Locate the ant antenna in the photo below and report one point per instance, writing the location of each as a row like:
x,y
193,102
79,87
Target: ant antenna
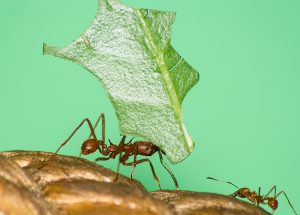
x,y
228,182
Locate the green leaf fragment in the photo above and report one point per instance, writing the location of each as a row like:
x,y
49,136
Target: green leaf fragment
x,y
146,80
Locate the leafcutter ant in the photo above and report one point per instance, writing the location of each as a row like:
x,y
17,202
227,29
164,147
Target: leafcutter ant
x,y
93,144
257,198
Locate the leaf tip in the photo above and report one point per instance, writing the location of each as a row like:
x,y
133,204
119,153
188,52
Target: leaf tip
x,y
44,48
49,50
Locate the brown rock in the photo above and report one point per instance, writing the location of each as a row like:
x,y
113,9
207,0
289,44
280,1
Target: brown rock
x,y
64,167
19,194
195,203
72,185
13,173
91,197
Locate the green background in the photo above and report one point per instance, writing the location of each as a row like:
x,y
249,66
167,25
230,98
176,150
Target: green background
x,y
243,114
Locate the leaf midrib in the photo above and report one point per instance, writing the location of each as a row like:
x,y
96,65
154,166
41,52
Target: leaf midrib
x,y
166,77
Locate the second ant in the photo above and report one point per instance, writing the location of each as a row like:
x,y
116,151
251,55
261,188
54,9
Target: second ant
x,y
257,198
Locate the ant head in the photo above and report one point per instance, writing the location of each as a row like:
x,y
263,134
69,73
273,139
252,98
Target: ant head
x,y
273,203
89,146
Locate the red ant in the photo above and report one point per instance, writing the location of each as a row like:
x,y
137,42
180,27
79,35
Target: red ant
x,y
256,198
93,144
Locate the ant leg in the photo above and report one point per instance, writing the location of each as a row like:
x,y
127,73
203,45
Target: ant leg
x,y
282,192
76,129
134,160
67,140
120,146
151,166
273,188
102,118
102,159
234,194
129,151
168,169
123,158
259,189
265,197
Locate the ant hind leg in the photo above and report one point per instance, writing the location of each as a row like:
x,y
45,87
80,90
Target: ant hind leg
x,y
151,166
168,169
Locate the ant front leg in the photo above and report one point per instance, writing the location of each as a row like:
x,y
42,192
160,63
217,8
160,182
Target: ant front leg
x,y
282,192
102,141
68,139
271,201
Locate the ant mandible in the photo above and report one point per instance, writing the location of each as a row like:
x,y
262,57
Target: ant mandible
x,y
92,144
256,198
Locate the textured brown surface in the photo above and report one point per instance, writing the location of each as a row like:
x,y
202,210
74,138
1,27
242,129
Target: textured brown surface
x,y
114,198
195,203
63,167
19,194
71,185
74,186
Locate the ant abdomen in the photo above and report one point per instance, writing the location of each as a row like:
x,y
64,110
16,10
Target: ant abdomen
x,y
89,146
243,192
146,148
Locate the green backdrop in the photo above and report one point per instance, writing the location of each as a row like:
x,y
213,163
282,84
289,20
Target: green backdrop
x,y
243,114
